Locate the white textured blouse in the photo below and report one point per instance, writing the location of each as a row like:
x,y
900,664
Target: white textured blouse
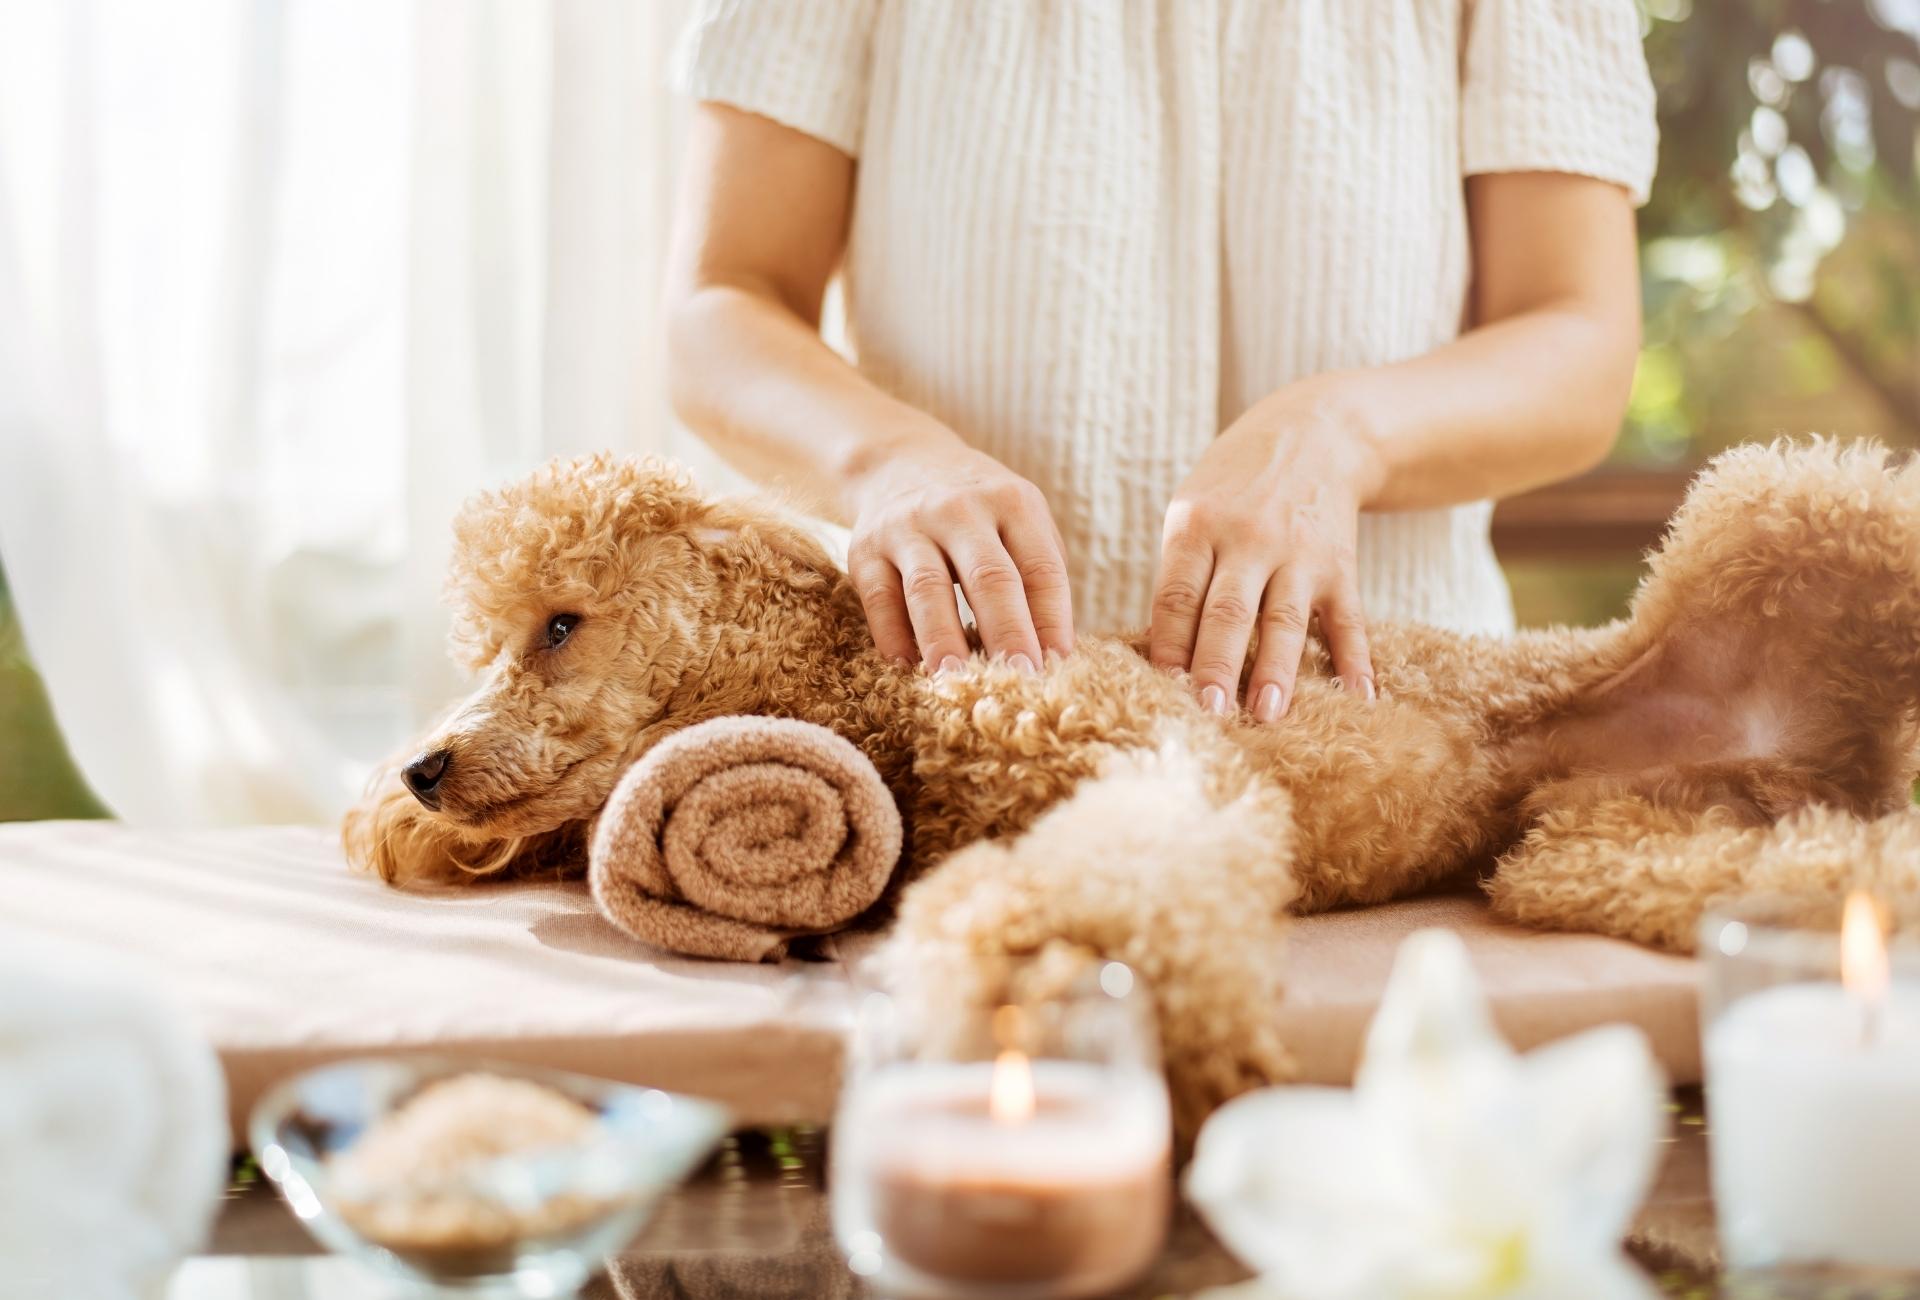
x,y
1088,234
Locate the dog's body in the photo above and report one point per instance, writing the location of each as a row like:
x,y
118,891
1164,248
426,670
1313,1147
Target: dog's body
x,y
1771,664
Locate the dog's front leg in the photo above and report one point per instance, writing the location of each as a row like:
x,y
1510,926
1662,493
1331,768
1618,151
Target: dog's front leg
x,y
1142,865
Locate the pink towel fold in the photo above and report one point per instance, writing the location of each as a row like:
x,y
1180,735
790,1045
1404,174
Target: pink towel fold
x,y
735,835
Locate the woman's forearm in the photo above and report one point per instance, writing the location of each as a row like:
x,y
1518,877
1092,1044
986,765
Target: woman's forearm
x,y
756,382
1535,391
1264,531
1522,402
763,223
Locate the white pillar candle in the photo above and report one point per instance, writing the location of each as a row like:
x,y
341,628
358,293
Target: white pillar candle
x,y
1814,1103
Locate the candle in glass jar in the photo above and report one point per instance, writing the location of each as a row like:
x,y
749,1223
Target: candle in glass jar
x,y
1003,1177
1814,1101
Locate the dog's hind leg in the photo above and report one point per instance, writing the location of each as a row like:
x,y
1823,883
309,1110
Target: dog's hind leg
x,y
1148,865
1779,624
1623,864
1813,546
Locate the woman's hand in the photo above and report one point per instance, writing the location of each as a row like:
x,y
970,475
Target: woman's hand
x,y
1262,534
939,511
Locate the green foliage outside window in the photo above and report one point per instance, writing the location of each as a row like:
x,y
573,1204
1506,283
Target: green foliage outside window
x,y
37,779
1780,253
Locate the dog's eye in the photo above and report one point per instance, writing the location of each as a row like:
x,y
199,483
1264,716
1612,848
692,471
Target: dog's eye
x,y
559,628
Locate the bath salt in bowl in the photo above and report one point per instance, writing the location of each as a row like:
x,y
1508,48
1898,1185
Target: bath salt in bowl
x,y
494,1179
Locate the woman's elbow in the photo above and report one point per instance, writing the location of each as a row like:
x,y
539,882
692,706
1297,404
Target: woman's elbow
x,y
703,323
1590,444
1612,351
712,323
686,324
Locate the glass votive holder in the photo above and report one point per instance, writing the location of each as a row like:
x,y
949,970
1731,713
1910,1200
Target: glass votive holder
x,y
1810,1021
1011,1152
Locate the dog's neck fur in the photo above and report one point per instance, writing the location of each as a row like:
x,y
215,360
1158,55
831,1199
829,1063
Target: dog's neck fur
x,y
785,591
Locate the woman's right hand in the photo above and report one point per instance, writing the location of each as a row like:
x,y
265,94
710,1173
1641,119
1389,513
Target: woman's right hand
x,y
939,512
765,211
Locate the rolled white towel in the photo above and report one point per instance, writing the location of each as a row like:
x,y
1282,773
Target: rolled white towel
x,y
113,1129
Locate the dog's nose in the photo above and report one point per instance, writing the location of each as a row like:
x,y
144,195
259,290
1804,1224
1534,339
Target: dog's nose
x,y
424,774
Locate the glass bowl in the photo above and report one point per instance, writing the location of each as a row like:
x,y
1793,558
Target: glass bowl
x,y
530,1223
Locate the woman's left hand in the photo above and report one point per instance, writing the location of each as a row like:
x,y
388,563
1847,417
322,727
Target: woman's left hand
x,y
1262,534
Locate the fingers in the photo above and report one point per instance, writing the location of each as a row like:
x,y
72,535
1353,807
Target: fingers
x,y
1179,597
1284,616
1041,559
911,609
1284,613
927,584
1220,647
998,594
1345,631
962,518
878,585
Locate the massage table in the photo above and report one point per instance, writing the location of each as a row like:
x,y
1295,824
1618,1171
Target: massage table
x,y
287,959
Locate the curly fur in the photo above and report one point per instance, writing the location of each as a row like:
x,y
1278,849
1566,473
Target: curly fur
x,y
1749,726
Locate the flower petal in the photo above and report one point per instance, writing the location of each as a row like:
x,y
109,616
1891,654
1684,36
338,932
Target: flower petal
x,y
1592,1108
1433,1016
1294,1184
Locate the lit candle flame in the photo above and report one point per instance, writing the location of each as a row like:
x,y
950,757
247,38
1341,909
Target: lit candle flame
x,y
1863,949
1010,1095
1863,961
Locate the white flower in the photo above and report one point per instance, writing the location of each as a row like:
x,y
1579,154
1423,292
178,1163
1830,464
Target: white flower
x,y
1453,1170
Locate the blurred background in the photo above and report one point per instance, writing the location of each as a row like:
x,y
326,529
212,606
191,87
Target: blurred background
x,y
1779,267
409,249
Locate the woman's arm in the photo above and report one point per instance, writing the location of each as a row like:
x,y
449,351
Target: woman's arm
x,y
763,219
1262,533
1535,391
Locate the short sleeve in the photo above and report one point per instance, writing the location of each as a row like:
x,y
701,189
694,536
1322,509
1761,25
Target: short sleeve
x,y
803,63
1558,85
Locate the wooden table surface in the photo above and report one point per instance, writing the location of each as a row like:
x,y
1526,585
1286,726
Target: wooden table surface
x,y
754,1224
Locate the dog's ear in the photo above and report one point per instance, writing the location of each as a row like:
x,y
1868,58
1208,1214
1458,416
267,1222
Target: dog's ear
x,y
626,496
587,499
758,528
572,532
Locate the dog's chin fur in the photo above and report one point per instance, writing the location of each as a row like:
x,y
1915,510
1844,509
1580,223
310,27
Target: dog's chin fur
x,y
538,811
389,833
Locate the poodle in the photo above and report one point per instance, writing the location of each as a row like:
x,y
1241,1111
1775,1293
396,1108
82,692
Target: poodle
x,y
1751,725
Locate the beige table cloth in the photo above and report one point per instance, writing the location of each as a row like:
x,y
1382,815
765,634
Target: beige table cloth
x,y
288,959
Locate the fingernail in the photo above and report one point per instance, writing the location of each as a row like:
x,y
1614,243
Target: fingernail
x,y
951,664
1021,662
1266,706
1214,700
1366,688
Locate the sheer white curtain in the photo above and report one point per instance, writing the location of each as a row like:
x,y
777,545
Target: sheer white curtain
x,y
280,282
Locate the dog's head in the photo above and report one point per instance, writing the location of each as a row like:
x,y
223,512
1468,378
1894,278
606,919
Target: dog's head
x,y
580,595
589,598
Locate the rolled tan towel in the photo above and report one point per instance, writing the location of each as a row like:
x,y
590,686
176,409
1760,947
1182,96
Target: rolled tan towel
x,y
736,835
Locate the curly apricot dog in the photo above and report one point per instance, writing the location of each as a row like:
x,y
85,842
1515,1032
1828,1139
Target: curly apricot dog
x,y
1750,726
